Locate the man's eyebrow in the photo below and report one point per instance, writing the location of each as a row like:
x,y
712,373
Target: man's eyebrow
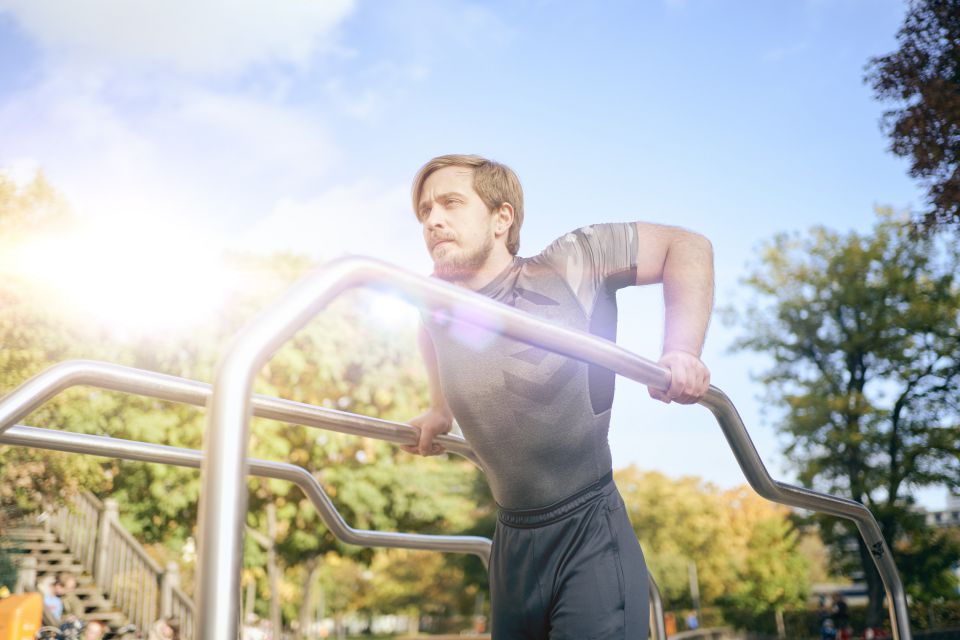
x,y
441,196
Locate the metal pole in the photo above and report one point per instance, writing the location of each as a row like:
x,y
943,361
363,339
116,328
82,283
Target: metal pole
x,y
132,450
222,503
659,625
43,387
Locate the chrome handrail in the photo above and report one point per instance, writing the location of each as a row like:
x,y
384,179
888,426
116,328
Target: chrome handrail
x,y
134,450
226,440
43,387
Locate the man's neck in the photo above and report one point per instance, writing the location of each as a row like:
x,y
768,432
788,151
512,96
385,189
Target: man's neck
x,y
499,259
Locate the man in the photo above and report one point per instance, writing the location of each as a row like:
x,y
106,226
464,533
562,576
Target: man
x,y
565,562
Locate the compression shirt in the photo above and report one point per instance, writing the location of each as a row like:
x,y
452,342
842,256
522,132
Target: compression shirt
x,y
537,420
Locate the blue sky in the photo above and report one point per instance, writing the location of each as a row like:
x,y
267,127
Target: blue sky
x,y
300,127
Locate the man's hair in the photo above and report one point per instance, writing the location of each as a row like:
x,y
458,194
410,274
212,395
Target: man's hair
x,y
495,183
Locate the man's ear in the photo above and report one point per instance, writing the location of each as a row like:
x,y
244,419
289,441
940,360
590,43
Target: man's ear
x,y
503,218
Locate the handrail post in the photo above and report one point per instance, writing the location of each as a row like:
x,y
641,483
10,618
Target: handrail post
x,y
110,513
26,575
168,581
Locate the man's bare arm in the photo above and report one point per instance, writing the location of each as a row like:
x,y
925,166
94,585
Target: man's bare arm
x,y
683,262
438,419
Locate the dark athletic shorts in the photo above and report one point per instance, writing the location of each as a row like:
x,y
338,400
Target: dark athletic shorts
x,y
570,571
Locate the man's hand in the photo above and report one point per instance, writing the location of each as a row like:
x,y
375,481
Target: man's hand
x,y
431,424
689,378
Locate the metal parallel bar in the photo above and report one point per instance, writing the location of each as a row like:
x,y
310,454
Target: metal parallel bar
x,y
226,440
43,387
144,452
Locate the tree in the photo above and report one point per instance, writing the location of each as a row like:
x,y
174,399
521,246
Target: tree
x,y
923,76
862,330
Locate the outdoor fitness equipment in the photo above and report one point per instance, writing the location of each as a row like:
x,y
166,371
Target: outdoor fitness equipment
x,y
224,463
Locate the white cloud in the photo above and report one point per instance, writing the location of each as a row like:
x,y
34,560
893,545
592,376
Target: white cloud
x,y
180,152
361,219
191,36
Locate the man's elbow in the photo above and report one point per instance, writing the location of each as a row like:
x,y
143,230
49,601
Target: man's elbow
x,y
697,243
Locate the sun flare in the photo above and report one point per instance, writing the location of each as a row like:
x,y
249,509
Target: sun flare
x,y
131,279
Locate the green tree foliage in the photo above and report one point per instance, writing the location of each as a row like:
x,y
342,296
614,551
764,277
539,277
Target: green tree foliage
x,y
923,77
928,557
863,334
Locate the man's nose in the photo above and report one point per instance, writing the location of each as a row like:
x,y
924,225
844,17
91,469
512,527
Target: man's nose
x,y
435,218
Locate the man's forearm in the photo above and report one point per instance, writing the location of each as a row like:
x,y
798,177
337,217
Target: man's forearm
x,y
687,293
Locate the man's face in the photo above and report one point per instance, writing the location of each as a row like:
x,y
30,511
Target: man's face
x,y
458,228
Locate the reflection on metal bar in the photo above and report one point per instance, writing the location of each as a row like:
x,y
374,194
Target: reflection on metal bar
x,y
223,496
38,390
133,450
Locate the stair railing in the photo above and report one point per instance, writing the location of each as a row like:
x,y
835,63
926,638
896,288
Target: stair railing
x,y
121,567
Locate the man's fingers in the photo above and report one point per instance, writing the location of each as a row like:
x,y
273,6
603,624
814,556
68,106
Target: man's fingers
x,y
688,384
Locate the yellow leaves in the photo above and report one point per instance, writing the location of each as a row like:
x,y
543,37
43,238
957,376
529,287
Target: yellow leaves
x,y
683,520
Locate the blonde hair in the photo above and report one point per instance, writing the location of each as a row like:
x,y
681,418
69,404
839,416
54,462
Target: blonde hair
x,y
495,183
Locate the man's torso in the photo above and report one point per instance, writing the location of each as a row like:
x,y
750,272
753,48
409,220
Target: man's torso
x,y
537,420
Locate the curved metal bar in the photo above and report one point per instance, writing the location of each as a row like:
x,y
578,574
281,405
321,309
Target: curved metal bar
x,y
132,450
47,384
40,389
763,483
223,503
32,394
658,627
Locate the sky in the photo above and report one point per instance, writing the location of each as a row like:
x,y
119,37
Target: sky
x,y
187,128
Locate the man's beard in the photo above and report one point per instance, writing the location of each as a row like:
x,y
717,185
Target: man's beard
x,y
463,267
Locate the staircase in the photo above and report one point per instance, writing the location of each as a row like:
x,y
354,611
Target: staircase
x,y
117,581
40,555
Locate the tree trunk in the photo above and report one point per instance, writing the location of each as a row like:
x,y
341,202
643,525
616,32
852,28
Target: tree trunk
x,y
781,627
875,590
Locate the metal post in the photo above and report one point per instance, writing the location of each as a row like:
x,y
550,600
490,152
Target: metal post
x,y
223,497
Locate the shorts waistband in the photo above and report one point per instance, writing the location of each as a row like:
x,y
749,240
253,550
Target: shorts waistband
x,y
545,515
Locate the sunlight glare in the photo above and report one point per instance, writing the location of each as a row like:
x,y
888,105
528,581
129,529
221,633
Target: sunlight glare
x,y
131,279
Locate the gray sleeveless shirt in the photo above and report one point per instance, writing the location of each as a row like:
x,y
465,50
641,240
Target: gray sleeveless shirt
x,y
538,421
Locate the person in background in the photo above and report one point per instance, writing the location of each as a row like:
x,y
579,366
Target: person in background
x,y
60,601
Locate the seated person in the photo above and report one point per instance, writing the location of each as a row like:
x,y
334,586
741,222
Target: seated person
x,y
60,602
